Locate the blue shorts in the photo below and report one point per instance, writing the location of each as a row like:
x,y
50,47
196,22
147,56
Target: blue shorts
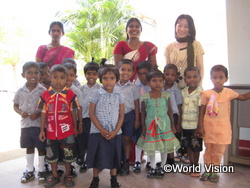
x,y
65,147
30,138
128,127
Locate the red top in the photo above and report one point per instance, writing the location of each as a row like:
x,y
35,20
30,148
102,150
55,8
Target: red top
x,y
58,107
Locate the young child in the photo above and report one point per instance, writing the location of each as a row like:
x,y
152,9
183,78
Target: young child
x,y
71,77
214,121
45,75
143,68
58,106
190,115
72,61
25,101
106,112
131,117
171,73
157,123
87,90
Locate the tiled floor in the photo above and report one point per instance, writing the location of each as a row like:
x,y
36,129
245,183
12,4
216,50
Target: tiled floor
x,y
11,172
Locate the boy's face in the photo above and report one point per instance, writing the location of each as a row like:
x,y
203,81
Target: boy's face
x,y
71,76
142,74
126,72
91,77
58,80
109,81
32,75
170,76
192,79
46,75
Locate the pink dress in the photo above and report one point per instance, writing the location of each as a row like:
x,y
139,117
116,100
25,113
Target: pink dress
x,y
218,127
55,55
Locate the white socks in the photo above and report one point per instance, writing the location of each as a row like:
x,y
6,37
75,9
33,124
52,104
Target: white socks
x,y
164,157
152,161
30,161
41,163
137,154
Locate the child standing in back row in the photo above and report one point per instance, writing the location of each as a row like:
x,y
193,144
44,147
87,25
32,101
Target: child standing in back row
x,y
106,111
214,121
157,124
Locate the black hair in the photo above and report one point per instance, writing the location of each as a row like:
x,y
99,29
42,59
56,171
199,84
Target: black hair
x,y
69,60
143,65
58,68
92,66
154,74
217,68
42,65
108,68
171,66
126,61
70,66
56,23
192,31
30,64
191,69
132,20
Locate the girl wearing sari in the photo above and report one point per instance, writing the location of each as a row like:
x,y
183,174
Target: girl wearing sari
x,y
54,52
133,48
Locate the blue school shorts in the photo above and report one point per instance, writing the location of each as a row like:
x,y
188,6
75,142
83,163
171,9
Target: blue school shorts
x,y
128,127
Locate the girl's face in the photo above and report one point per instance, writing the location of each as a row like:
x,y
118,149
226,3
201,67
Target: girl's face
x,y
91,77
58,80
170,76
192,79
56,33
126,72
142,74
134,30
182,28
218,78
109,81
156,83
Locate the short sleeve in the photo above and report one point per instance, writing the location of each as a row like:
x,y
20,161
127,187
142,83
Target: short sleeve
x,y
119,48
204,98
144,97
16,97
178,96
41,51
95,97
41,106
198,48
233,94
165,95
121,98
152,48
136,93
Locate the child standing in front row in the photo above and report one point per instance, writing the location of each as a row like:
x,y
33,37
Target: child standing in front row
x,y
171,73
88,89
214,121
131,117
106,112
190,116
58,105
25,101
157,124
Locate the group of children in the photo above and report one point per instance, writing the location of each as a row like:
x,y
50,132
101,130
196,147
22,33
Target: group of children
x,y
94,124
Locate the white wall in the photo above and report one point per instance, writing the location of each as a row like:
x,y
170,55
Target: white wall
x,y
238,28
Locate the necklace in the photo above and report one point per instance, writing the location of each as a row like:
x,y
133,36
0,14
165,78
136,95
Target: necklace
x,y
134,48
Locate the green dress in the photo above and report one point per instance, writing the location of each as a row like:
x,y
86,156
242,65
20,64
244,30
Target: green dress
x,y
159,136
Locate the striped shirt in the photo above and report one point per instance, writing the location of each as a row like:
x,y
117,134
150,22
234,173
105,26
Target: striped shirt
x,y
27,101
131,93
107,109
175,98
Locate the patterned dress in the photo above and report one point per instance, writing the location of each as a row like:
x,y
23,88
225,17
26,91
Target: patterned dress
x,y
159,136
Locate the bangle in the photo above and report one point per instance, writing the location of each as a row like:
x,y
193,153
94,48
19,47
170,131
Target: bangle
x,y
79,123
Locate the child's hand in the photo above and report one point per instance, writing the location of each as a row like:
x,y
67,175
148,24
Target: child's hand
x,y
144,131
104,133
137,124
24,115
42,136
34,116
173,129
111,135
79,127
178,128
199,132
76,131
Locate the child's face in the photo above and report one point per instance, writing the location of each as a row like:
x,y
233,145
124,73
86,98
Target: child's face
x,y
71,76
58,80
218,78
46,75
109,81
142,74
170,76
32,75
192,79
126,72
91,77
156,83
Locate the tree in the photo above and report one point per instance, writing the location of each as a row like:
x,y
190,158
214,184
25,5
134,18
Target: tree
x,y
96,26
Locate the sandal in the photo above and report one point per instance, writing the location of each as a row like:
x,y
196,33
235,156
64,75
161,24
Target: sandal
x,y
177,159
52,181
185,159
68,180
27,177
195,174
205,176
214,178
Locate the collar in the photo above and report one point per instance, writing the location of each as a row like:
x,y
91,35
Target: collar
x,y
96,85
103,91
128,83
62,93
